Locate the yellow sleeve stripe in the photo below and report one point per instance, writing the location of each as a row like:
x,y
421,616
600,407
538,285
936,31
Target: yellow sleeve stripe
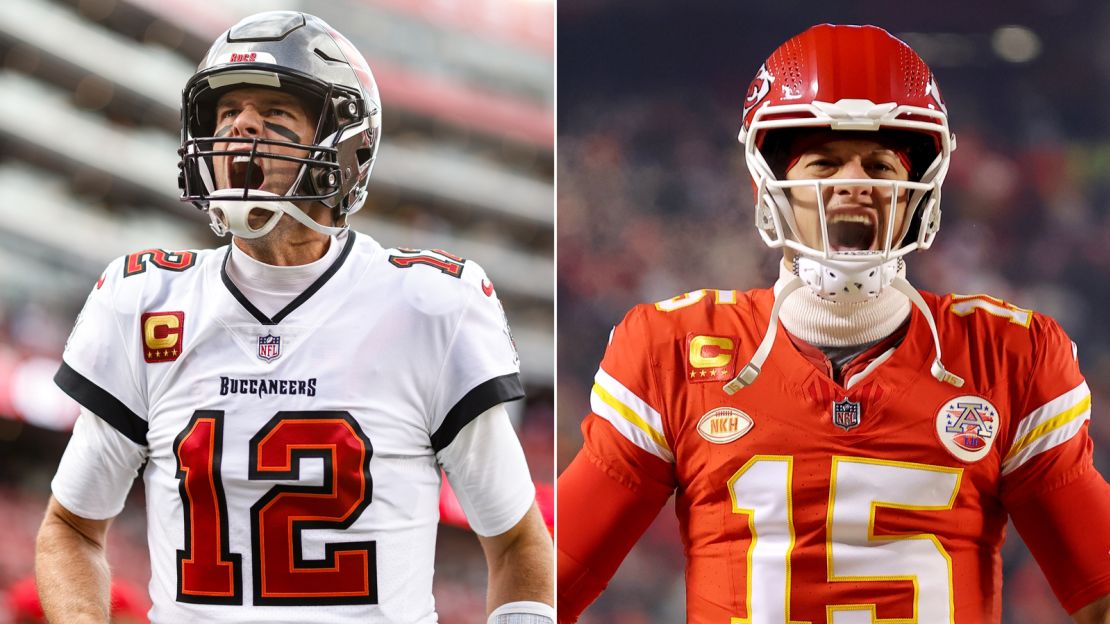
x,y
1079,409
1045,412
631,416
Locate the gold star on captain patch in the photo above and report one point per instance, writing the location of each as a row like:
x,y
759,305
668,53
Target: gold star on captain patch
x,y
693,374
149,355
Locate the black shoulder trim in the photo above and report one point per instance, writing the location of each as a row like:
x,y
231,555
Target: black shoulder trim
x,y
301,298
100,402
482,397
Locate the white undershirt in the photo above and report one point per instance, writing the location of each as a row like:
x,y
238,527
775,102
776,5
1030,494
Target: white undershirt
x,y
270,288
823,323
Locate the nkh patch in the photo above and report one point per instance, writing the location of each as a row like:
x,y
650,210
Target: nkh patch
x,y
724,424
967,426
163,335
269,347
846,414
710,358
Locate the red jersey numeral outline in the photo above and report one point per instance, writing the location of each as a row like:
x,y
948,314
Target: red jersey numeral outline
x,y
169,260
208,573
446,263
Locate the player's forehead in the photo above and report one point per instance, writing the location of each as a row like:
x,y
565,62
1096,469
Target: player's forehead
x,y
258,96
832,145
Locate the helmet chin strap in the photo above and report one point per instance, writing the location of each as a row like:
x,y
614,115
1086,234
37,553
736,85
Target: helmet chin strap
x,y
937,369
232,215
846,284
842,281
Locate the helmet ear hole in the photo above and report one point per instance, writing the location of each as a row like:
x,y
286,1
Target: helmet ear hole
x,y
363,154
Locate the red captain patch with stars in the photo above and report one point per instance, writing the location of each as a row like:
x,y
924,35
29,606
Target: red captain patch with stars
x,y
163,335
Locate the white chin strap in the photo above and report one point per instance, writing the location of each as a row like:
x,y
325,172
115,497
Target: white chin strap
x,y
751,371
844,281
231,215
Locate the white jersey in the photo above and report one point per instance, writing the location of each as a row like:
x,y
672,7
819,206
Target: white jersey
x,y
292,474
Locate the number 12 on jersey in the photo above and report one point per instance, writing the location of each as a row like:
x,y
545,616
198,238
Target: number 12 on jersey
x,y
763,491
209,573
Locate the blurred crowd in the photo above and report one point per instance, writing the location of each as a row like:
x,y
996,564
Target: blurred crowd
x,y
654,200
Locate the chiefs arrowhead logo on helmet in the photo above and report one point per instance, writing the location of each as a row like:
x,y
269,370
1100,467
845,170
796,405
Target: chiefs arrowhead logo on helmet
x,y
933,91
759,89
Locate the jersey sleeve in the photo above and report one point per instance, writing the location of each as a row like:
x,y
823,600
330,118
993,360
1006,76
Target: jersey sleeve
x,y
488,473
97,469
1049,425
97,368
621,478
1050,486
481,367
625,392
1066,530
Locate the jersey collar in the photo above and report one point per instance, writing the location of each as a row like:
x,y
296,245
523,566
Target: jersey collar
x,y
299,300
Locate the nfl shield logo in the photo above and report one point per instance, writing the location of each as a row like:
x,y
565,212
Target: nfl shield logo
x,y
269,347
846,414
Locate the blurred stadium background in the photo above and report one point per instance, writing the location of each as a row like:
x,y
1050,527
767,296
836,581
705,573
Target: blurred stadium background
x,y
90,93
654,199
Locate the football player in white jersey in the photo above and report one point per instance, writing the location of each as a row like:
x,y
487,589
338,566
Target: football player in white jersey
x,y
294,394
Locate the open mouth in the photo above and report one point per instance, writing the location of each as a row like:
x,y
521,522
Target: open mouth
x,y
242,172
852,231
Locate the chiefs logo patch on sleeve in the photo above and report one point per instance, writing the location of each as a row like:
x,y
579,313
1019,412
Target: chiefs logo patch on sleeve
x,y
710,358
162,335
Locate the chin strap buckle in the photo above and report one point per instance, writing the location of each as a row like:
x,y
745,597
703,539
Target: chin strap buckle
x,y
743,380
943,375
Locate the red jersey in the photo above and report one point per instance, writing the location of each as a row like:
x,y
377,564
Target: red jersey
x,y
801,500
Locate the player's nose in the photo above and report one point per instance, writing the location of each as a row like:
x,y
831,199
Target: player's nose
x,y
852,169
247,123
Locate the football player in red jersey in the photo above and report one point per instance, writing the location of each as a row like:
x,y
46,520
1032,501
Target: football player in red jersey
x,y
858,464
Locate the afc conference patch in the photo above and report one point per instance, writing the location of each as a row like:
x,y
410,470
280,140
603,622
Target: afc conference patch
x,y
967,426
269,347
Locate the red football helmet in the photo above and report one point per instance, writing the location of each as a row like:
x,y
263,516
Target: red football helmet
x,y
847,78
